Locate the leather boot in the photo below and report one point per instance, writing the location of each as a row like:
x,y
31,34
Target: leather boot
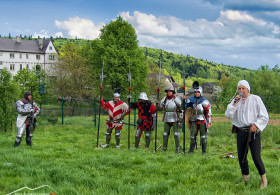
x,y
192,146
246,178
17,141
263,181
28,141
204,146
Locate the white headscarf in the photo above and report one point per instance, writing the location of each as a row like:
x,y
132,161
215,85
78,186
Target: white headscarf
x,y
243,83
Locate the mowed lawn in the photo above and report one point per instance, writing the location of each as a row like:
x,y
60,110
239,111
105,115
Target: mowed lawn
x,y
64,160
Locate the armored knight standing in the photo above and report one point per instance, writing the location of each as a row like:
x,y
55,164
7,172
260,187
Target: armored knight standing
x,y
116,109
26,119
200,118
172,117
146,118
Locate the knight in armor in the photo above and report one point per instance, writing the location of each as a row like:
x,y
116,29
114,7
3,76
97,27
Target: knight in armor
x,y
116,109
26,119
200,118
146,118
172,117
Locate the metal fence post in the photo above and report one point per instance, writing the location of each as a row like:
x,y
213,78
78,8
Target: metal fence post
x,y
94,107
62,114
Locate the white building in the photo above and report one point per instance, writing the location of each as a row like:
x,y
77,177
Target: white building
x,y
16,54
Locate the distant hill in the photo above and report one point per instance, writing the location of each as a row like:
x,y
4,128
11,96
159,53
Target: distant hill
x,y
174,63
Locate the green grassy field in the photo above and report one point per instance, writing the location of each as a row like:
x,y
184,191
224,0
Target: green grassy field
x,y
66,159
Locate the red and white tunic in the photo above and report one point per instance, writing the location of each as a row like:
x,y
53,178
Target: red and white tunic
x,y
115,111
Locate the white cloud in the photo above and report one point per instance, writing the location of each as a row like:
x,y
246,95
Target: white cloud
x,y
232,34
58,34
42,34
77,27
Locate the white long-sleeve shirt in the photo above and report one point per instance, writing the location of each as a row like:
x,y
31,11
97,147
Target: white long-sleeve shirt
x,y
248,111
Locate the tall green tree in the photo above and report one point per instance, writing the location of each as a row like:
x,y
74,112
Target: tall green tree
x,y
9,92
27,81
71,78
118,47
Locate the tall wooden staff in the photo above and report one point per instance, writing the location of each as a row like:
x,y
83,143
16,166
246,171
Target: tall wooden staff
x,y
101,89
184,116
129,97
158,89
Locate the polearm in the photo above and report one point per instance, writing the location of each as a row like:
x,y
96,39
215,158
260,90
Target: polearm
x,y
129,93
101,89
158,89
184,116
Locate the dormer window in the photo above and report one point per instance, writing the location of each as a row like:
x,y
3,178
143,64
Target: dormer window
x,y
50,48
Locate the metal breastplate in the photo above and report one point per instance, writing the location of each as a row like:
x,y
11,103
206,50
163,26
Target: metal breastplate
x,y
198,112
170,114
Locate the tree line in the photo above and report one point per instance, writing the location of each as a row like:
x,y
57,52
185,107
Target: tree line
x,y
75,76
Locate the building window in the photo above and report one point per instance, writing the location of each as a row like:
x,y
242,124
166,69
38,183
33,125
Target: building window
x,y
12,55
20,66
20,56
37,57
12,67
1,63
50,48
51,57
26,56
1,53
27,66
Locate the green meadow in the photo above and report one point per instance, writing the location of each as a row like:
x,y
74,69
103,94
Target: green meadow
x,y
66,160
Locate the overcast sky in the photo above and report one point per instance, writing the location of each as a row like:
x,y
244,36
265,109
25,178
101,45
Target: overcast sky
x,y
244,33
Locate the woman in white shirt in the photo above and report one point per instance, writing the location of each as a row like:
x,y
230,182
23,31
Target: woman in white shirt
x,y
249,117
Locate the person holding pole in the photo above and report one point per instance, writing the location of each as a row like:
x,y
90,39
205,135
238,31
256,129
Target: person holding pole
x,y
249,118
146,118
173,115
26,120
116,109
200,119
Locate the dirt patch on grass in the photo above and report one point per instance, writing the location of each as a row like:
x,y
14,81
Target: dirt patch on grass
x,y
225,119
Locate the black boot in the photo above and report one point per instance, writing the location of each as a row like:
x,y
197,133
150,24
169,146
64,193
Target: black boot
x,y
28,141
192,146
204,146
17,141
16,144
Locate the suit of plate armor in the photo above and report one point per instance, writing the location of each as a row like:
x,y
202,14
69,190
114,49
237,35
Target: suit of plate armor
x,y
26,119
171,118
201,116
146,120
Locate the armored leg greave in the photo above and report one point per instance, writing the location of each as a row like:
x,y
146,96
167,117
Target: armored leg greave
x,y
192,146
165,136
118,138
203,138
148,136
165,141
137,137
20,133
108,138
176,136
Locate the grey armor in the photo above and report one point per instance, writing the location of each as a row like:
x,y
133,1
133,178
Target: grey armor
x,y
26,120
171,106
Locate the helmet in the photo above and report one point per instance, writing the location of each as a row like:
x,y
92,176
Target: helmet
x,y
196,87
170,88
143,96
26,94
